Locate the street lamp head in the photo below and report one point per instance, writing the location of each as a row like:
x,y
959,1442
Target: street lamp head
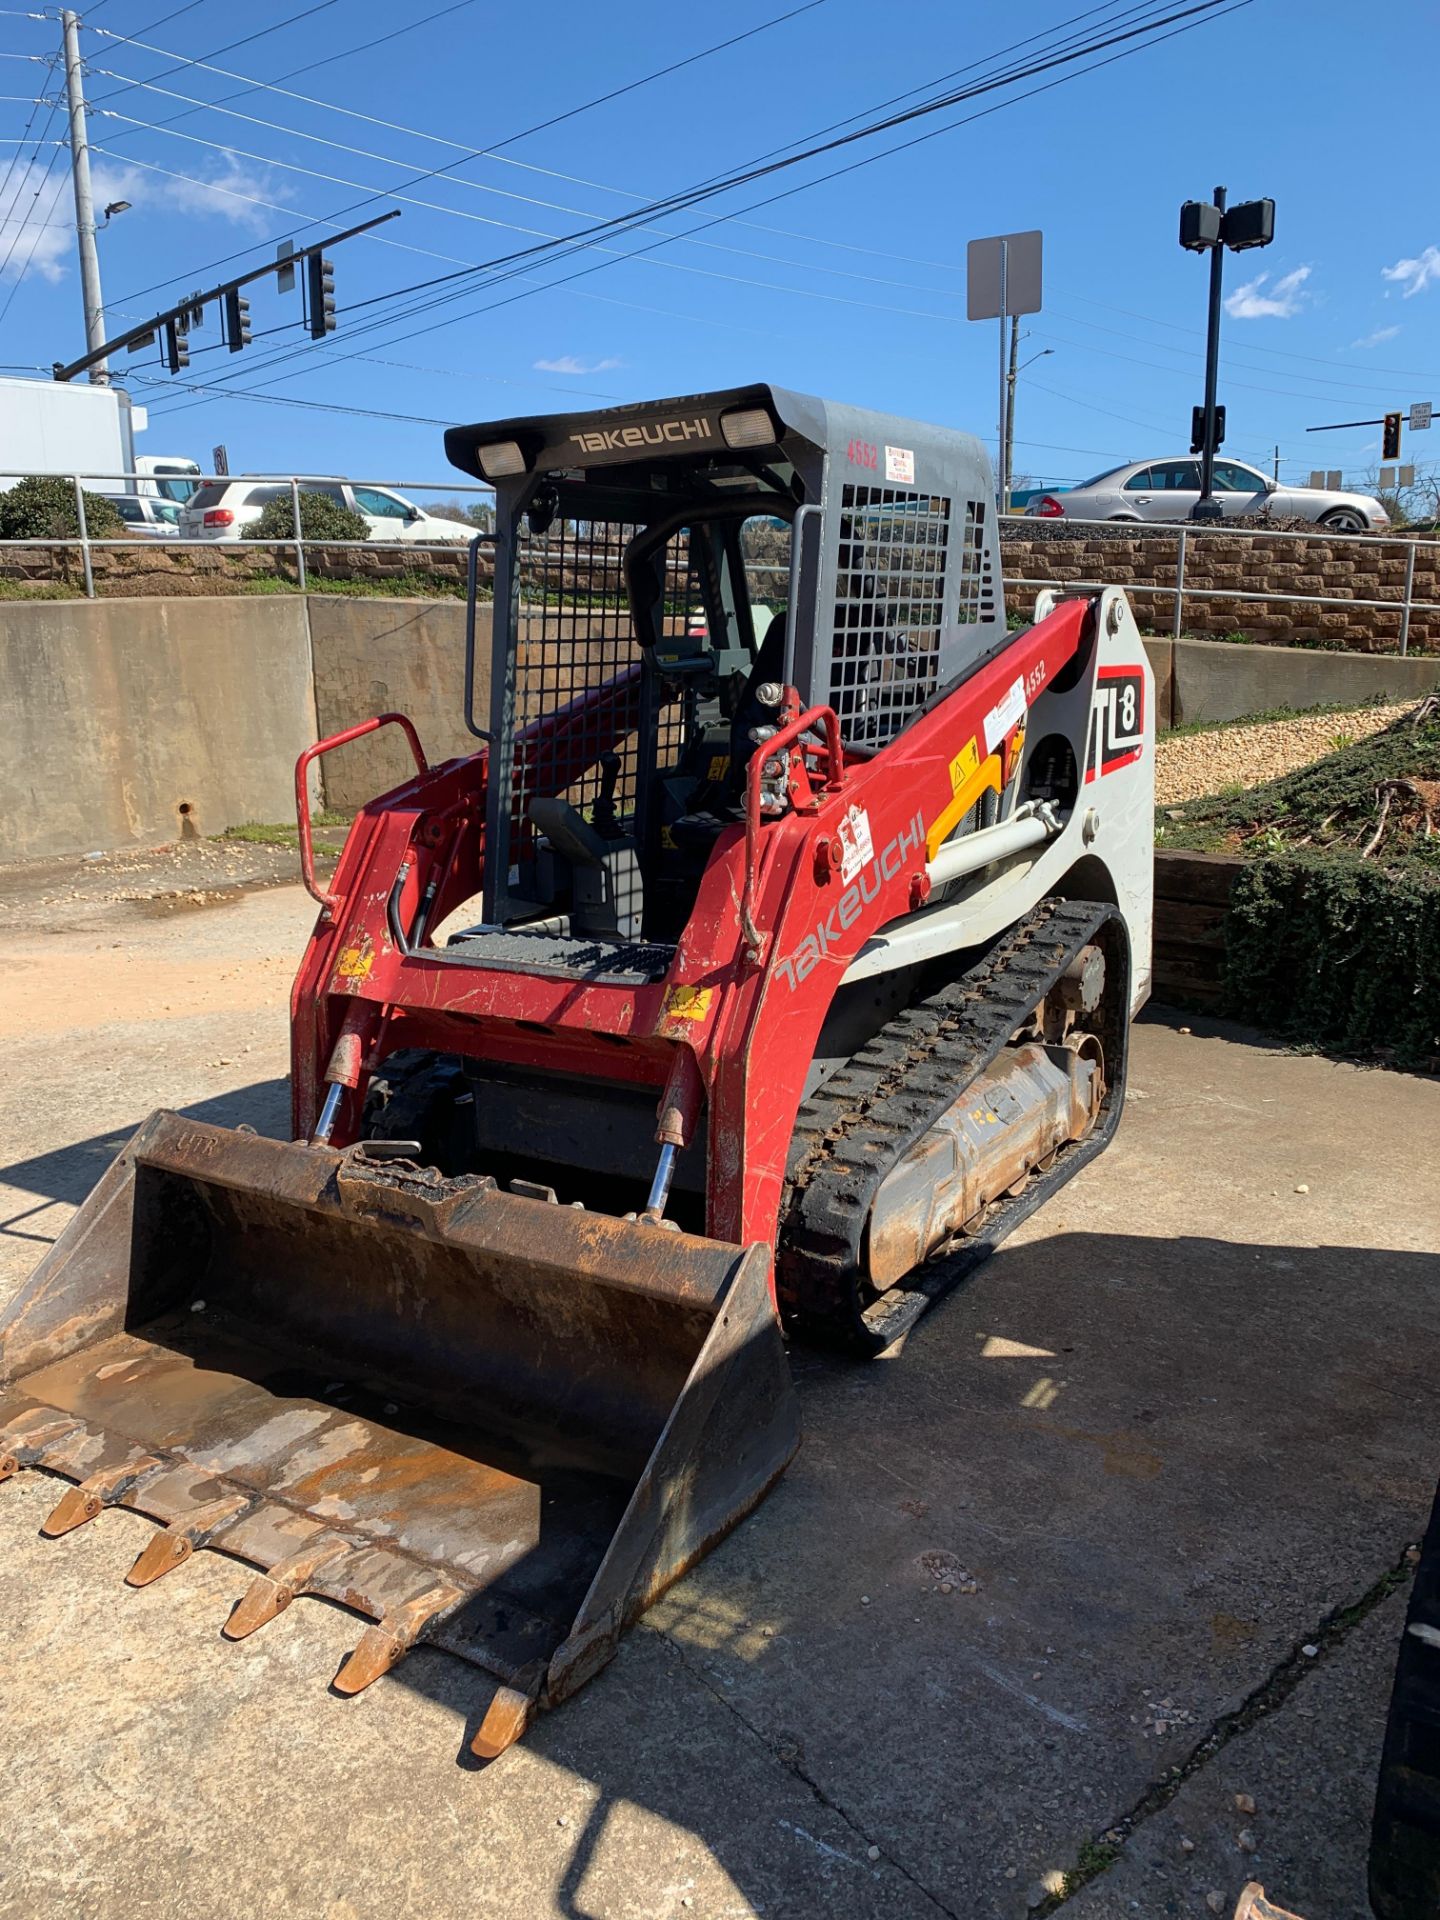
x,y
116,206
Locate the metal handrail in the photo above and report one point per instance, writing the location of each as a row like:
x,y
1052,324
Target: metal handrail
x,y
1404,604
329,901
83,483
786,741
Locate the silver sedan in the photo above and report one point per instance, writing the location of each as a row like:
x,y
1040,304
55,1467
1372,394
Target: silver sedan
x,y
1168,489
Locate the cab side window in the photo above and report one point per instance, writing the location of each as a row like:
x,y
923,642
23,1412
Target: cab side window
x,y
1141,482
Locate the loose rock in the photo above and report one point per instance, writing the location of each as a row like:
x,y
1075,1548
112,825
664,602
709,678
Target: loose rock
x,y
1244,1803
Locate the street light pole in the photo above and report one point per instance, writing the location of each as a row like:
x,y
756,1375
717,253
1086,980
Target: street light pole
x,y
1205,507
84,201
1010,408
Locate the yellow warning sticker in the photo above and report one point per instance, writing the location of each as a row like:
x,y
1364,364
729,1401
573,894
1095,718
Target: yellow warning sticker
x,y
667,840
719,766
964,766
355,962
688,1003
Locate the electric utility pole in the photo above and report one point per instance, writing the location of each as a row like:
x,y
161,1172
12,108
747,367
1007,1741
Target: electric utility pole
x,y
84,204
1007,458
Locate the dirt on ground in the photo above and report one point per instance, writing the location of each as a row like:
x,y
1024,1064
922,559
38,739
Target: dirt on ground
x,y
1191,765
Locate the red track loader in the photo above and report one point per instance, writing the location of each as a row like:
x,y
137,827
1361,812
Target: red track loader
x,y
770,956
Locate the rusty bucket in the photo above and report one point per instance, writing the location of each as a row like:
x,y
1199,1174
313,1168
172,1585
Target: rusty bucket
x,y
490,1423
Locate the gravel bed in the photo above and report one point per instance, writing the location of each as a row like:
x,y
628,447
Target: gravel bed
x,y
1191,765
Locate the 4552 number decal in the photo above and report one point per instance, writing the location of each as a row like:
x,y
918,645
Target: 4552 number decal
x,y
1117,721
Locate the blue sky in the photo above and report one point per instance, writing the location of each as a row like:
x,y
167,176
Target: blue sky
x,y
852,288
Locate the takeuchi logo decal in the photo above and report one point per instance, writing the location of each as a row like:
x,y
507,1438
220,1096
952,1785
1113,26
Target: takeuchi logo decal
x,y
647,433
846,910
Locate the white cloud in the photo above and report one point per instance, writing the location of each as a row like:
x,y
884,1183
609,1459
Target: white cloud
x,y
40,212
1377,338
570,363
1285,298
1413,276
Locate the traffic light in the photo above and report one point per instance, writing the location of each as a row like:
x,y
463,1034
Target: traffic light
x,y
1390,439
1199,225
237,320
177,347
1197,429
1251,224
320,294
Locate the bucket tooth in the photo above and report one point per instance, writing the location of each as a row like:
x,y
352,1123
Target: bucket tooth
x,y
24,1439
268,1594
104,1489
174,1544
383,1646
506,1718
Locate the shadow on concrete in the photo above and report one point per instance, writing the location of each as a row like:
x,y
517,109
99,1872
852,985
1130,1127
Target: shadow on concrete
x,y
1211,1026
69,1172
1148,1471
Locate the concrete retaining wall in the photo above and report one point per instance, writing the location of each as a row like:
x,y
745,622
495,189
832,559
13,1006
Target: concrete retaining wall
x,y
379,656
115,715
1208,680
141,721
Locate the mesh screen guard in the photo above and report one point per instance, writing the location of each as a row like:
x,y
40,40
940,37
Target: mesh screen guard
x,y
574,684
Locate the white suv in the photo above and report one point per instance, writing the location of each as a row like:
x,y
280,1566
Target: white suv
x,y
222,509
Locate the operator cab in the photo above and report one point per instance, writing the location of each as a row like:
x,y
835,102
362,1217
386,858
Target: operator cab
x,y
662,576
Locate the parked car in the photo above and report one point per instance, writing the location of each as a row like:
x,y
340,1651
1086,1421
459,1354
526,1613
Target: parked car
x,y
222,509
146,514
1168,489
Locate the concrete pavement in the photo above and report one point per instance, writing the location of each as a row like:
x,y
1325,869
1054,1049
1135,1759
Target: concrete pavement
x,y
1182,1421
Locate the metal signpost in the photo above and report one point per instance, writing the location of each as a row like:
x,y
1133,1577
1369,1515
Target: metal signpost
x,y
1003,281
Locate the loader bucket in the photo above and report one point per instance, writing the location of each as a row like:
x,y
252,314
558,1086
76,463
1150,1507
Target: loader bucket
x,y
492,1424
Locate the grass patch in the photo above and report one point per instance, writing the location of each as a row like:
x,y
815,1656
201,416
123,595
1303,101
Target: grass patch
x,y
1280,713
39,590
395,586
1094,1858
259,833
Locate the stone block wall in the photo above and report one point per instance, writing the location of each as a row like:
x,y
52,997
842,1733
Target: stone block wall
x,y
1366,568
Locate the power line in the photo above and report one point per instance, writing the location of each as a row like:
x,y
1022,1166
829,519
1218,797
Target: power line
x,y
571,245
476,186
903,146
1193,353
260,33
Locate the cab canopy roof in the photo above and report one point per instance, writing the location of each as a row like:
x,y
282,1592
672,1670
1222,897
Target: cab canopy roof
x,y
756,426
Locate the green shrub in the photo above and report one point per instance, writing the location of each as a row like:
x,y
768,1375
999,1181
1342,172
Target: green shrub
x,y
321,518
1338,951
42,507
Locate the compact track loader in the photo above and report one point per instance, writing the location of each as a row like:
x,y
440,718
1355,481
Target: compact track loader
x,y
770,956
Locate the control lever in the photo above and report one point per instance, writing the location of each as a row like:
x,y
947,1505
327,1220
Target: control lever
x,y
602,814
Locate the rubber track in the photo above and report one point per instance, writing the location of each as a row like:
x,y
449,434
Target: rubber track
x,y
854,1129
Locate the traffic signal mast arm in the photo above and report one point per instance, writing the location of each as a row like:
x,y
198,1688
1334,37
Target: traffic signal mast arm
x,y
174,321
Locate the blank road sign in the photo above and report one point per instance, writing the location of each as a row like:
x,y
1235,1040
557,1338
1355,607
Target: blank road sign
x,y
1332,480
1387,477
1419,415
1022,275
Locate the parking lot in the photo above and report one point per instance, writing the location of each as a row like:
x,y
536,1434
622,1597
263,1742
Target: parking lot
x,y
1118,1534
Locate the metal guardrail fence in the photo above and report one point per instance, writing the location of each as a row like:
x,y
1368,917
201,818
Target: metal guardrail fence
x,y
1404,605
148,486
1185,537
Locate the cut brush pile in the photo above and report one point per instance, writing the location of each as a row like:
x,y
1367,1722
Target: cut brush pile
x,y
1333,935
